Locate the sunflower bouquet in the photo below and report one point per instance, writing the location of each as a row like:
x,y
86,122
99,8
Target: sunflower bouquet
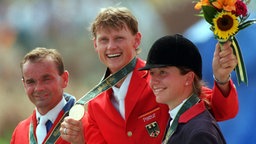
x,y
227,18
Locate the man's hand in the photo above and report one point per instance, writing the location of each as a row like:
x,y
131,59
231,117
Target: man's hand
x,y
72,131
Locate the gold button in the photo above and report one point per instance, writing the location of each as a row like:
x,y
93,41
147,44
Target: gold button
x,y
129,133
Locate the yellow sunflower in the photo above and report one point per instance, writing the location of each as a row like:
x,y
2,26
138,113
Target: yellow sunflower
x,y
225,25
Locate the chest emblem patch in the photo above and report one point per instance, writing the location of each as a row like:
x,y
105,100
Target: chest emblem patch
x,y
153,129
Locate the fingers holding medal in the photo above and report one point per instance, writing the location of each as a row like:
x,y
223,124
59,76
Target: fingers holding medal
x,y
72,122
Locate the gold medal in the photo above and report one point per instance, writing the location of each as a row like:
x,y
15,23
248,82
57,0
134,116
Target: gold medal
x,y
77,112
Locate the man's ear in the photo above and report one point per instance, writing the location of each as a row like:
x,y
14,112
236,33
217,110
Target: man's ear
x,y
23,81
137,40
95,45
65,77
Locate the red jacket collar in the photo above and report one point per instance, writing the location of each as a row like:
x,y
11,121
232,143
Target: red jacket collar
x,y
192,112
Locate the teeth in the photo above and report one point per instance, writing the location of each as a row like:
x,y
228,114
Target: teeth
x,y
113,55
156,89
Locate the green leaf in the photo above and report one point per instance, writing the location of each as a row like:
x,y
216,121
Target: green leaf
x,y
209,13
246,24
240,68
199,15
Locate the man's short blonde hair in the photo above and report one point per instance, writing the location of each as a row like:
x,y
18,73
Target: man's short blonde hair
x,y
116,18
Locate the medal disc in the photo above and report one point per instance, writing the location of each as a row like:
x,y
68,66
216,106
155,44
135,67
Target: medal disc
x,y
77,112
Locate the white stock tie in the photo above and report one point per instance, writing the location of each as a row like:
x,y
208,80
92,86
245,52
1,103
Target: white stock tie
x,y
120,94
121,106
41,130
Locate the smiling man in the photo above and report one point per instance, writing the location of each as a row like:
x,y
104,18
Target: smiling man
x,y
44,79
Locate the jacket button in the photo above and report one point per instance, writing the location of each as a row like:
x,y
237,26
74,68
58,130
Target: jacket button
x,y
129,133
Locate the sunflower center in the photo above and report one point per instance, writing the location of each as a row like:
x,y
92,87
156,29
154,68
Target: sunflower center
x,y
225,23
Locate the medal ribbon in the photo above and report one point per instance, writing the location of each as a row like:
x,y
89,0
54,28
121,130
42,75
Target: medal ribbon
x,y
188,104
107,83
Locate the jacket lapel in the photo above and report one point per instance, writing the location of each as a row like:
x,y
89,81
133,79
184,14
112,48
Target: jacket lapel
x,y
136,88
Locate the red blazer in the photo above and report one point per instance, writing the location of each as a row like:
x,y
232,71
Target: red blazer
x,y
21,133
222,108
145,120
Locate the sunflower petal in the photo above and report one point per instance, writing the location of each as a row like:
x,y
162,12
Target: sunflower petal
x,y
225,25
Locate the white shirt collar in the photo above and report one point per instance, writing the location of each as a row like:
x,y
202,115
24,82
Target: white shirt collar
x,y
174,111
53,113
121,92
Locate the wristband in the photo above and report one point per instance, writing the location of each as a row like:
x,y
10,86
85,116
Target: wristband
x,y
221,82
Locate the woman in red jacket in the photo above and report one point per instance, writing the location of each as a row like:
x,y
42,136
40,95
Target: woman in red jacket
x,y
175,66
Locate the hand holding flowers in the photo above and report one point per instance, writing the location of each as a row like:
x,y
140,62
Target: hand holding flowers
x,y
227,18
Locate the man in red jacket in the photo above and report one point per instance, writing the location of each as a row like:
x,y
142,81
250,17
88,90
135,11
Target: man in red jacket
x,y
44,78
128,112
